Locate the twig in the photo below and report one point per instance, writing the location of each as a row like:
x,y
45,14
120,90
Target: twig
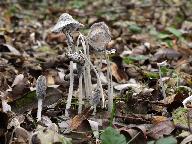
x,y
133,138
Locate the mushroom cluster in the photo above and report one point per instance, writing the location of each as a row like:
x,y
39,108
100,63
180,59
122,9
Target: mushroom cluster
x,y
97,38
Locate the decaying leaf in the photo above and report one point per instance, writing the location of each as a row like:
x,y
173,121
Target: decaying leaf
x,y
118,73
77,120
161,129
45,136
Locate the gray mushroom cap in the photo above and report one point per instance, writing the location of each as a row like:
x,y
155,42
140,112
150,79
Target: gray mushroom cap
x,y
66,23
99,36
41,86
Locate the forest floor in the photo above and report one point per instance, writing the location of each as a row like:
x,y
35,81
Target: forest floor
x,y
151,72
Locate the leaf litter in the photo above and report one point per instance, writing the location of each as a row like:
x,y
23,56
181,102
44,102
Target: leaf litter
x,y
106,82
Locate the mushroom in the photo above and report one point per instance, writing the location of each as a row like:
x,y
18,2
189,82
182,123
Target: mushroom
x,y
98,37
41,86
67,25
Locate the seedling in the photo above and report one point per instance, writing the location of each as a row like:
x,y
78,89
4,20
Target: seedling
x,y
41,87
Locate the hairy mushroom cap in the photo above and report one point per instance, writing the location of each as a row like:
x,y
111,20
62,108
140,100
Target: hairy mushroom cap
x,y
99,36
41,86
66,23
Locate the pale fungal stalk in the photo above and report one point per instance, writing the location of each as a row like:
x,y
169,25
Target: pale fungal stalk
x,y
160,75
70,93
80,94
41,87
87,74
110,85
98,79
162,85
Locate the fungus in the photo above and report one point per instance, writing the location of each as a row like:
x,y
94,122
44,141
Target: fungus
x,y
67,25
98,37
41,86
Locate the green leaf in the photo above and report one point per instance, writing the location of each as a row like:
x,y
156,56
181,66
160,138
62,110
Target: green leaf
x,y
151,142
180,116
163,36
151,75
174,31
112,136
169,43
135,28
132,59
167,140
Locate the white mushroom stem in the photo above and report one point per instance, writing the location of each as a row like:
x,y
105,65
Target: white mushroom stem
x,y
87,74
68,105
98,78
88,71
71,47
110,86
39,109
80,94
161,82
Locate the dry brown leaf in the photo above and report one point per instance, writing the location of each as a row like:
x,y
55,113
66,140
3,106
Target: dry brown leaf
x,y
119,73
78,119
161,129
158,119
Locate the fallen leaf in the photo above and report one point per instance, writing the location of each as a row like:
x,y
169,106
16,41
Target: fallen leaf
x,y
78,119
158,119
119,73
161,129
166,53
187,140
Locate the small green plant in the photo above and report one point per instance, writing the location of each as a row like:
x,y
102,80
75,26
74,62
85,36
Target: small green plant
x,y
112,136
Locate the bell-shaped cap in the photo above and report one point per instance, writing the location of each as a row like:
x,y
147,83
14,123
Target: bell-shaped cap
x,y
41,86
66,23
99,36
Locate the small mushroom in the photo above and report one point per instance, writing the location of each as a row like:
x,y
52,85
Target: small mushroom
x,y
67,25
99,36
41,87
